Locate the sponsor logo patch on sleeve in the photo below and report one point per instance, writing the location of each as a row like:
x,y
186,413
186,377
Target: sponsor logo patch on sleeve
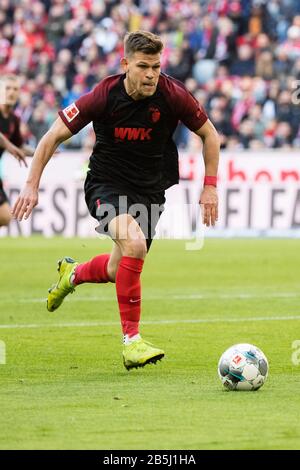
x,y
71,112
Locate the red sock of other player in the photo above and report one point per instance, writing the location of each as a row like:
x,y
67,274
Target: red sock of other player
x,y
94,270
128,288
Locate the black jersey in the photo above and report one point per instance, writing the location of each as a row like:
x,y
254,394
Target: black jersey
x,y
10,128
134,147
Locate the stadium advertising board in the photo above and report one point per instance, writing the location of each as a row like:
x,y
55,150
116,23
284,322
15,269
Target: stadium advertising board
x,y
259,195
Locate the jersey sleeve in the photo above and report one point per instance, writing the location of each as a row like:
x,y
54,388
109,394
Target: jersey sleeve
x,y
16,138
84,110
192,114
183,104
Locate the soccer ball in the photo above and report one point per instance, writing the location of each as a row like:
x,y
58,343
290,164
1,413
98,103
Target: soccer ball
x,y
243,367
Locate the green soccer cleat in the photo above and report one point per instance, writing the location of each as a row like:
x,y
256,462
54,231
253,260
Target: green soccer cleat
x,y
139,353
63,287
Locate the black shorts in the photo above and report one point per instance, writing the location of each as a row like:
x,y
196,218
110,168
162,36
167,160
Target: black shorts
x,y
105,202
3,197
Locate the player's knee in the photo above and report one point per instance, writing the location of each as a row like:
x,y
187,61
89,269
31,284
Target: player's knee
x,y
5,219
135,248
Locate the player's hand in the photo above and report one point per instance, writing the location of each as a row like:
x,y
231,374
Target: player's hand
x,y
27,200
209,203
28,150
18,153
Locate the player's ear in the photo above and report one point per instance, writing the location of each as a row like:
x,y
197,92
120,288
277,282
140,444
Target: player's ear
x,y
124,64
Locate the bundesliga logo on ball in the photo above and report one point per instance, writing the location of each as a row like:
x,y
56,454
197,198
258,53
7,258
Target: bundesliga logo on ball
x,y
243,367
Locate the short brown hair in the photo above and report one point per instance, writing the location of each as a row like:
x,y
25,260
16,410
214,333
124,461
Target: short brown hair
x,y
142,41
8,76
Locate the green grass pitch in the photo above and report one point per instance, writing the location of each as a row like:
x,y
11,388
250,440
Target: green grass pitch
x,y
64,385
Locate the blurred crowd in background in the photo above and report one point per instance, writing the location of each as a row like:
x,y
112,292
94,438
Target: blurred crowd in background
x,y
240,58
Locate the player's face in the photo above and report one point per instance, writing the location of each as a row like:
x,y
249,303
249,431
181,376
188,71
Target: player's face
x,y
12,90
142,74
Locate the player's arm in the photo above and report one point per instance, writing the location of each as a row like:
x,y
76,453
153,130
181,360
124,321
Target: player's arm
x,y
15,151
211,150
28,197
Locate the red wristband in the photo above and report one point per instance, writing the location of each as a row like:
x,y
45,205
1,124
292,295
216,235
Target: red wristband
x,y
210,181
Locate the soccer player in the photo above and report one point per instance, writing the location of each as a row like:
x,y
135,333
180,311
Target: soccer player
x,y
133,161
10,135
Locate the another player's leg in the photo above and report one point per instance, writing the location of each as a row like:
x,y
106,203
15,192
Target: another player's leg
x,y
100,269
129,237
5,214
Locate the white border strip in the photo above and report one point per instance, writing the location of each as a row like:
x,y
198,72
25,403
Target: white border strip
x,y
240,296
151,322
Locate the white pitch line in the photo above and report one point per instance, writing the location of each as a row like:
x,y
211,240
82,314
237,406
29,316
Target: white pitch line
x,y
275,295
153,322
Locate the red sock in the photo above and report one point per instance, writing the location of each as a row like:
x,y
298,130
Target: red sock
x,y
128,288
94,270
